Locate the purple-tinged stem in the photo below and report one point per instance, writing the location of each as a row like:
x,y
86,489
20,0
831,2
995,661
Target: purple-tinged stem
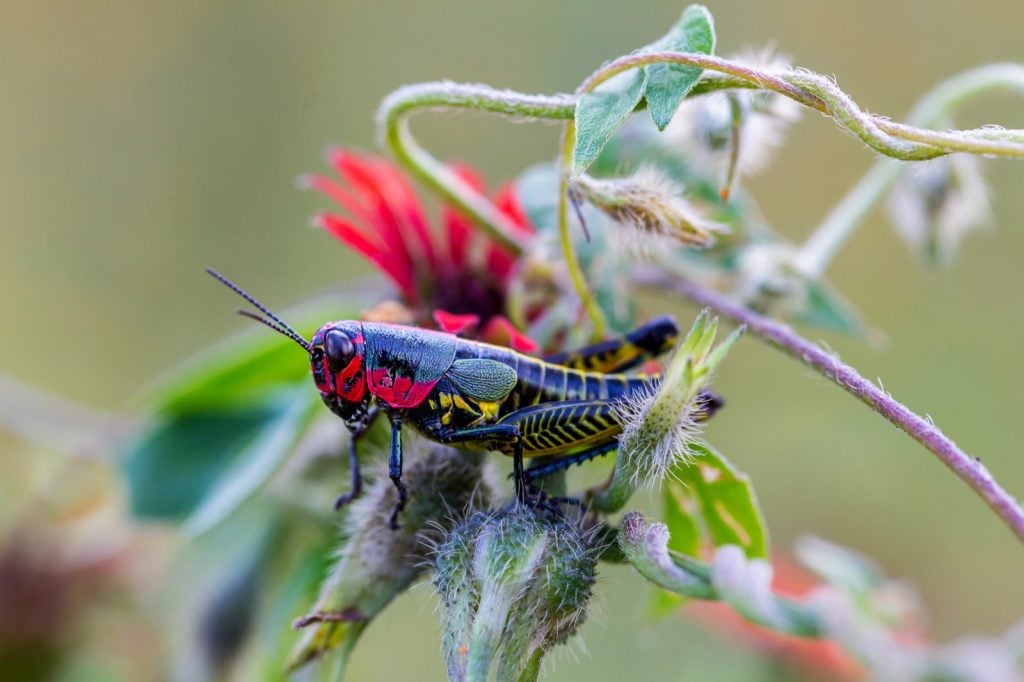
x,y
969,469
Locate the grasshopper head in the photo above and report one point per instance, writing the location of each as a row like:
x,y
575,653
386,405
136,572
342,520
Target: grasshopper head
x,y
336,359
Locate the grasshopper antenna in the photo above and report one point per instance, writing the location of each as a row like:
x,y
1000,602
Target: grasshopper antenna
x,y
275,322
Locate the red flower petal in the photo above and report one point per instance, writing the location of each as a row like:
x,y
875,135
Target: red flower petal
x,y
359,173
374,252
455,324
500,331
336,192
499,262
458,227
402,197
507,202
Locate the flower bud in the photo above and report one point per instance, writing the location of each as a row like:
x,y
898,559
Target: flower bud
x,y
734,134
934,206
652,205
377,563
659,426
513,584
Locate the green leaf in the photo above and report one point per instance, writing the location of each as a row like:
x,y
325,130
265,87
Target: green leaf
x,y
685,535
175,461
600,112
234,372
668,84
205,464
253,466
681,517
826,309
726,500
220,426
245,366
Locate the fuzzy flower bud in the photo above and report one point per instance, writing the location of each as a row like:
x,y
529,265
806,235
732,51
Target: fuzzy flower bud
x,y
513,584
934,206
652,205
658,427
376,563
734,134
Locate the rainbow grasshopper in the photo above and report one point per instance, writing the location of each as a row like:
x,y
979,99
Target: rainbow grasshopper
x,y
475,395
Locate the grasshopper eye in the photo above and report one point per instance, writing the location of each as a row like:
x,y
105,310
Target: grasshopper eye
x,y
339,350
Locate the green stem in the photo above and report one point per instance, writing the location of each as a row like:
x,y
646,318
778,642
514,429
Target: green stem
x,y
901,141
443,96
579,282
646,548
814,257
488,626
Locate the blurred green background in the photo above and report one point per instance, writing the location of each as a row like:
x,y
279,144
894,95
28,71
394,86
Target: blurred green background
x,y
140,142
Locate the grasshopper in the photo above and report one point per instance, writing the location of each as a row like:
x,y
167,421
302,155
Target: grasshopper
x,y
475,395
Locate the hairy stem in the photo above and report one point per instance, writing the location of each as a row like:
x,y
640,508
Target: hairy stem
x,y
970,469
579,281
818,252
900,141
392,122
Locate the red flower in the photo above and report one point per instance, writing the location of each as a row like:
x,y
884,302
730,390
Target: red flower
x,y
458,278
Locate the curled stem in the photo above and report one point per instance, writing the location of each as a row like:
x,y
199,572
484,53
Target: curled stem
x,y
969,469
902,141
818,252
393,126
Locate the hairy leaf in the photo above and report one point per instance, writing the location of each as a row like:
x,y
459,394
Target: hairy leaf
x,y
600,112
668,84
826,309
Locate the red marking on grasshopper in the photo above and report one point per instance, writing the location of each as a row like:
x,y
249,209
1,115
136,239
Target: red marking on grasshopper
x,y
400,392
350,383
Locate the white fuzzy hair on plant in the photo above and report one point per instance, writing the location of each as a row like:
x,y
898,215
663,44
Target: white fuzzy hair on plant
x,y
653,439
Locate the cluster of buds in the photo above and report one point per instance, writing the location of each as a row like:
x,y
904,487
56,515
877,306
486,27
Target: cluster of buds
x,y
513,584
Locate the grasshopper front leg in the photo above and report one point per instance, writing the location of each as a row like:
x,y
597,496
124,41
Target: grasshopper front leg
x,y
395,467
357,434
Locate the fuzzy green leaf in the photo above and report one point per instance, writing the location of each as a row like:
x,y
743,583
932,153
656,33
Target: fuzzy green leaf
x,y
211,460
826,309
668,84
600,112
253,466
232,373
725,498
